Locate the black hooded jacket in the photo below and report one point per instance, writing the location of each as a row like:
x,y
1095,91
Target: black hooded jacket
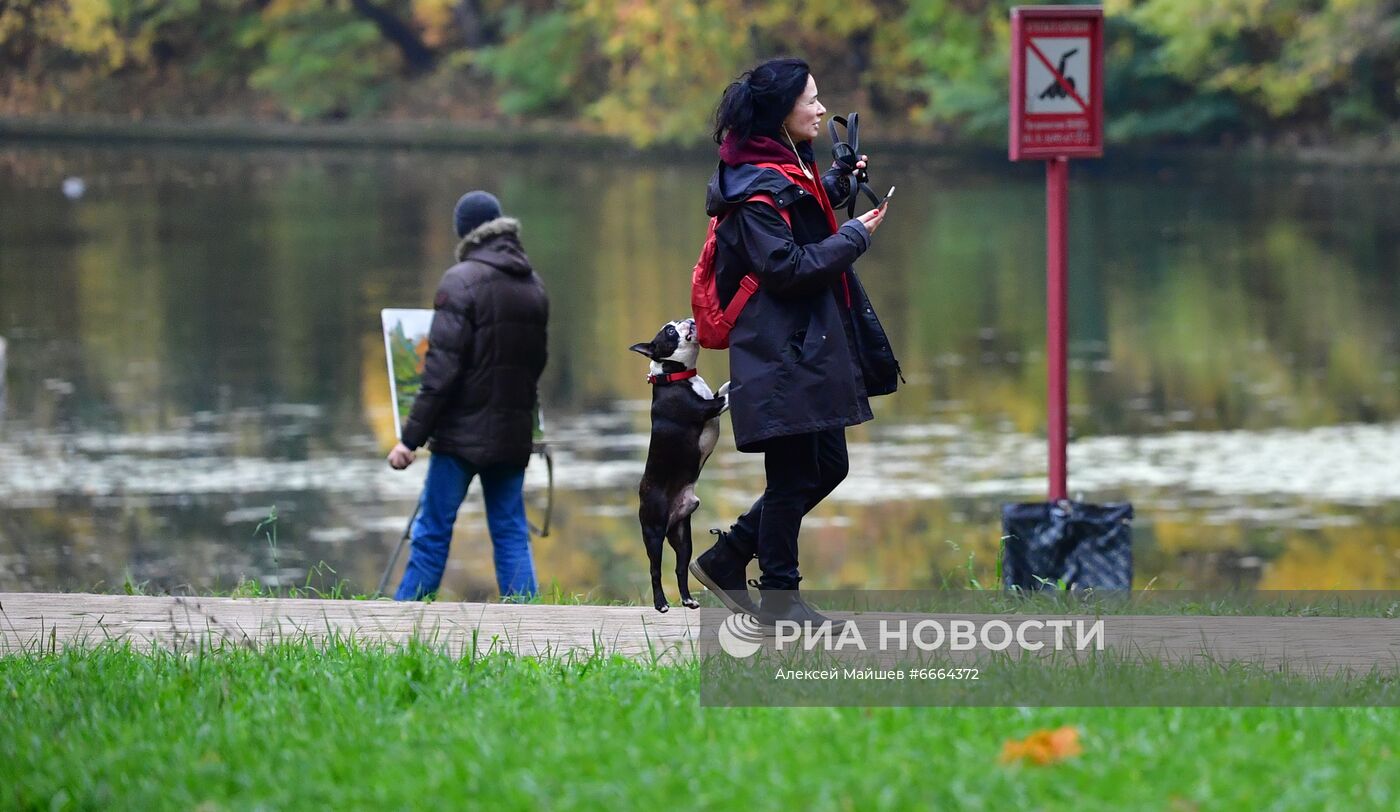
x,y
486,350
807,351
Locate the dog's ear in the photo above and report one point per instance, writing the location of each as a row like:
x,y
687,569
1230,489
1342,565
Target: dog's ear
x,y
645,349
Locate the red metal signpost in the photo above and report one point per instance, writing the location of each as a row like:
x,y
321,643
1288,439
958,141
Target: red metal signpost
x,y
1056,114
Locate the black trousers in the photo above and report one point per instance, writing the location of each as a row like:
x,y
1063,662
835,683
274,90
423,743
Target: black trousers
x,y
801,470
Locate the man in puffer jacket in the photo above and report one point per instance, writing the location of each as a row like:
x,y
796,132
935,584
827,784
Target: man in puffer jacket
x,y
486,350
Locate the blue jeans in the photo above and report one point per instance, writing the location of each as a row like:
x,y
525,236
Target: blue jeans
x,y
448,477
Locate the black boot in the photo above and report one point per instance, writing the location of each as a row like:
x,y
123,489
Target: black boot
x,y
788,605
721,569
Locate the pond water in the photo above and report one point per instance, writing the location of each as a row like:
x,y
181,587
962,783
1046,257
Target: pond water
x,y
195,340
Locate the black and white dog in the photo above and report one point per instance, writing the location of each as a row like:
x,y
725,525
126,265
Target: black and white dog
x,y
684,429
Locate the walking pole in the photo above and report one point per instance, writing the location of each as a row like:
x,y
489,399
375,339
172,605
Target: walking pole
x,y
407,532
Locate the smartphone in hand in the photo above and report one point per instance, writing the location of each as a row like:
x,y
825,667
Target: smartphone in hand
x,y
888,195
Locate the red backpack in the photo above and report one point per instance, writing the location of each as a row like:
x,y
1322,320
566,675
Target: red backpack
x,y
712,322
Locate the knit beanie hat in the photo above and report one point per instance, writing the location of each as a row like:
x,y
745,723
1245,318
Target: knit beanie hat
x,y
474,209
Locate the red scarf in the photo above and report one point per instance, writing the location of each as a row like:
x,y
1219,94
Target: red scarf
x,y
762,149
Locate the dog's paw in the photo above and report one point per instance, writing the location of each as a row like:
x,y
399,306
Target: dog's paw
x,y
690,603
663,607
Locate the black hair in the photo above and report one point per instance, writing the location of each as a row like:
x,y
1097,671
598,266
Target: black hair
x,y
761,99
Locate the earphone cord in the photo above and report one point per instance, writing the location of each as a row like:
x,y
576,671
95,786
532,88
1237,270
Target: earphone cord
x,y
800,165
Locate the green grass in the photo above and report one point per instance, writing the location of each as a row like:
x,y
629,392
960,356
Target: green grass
x,y
299,726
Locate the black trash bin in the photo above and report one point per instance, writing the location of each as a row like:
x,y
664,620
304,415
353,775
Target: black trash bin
x,y
1080,544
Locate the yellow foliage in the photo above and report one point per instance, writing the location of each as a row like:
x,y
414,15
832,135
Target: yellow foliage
x,y
667,62
91,31
827,17
277,9
434,18
1177,537
13,19
1365,561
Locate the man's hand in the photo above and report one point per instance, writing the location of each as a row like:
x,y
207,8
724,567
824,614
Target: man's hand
x,y
401,457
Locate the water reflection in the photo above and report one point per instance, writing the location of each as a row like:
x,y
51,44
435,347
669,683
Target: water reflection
x,y
195,340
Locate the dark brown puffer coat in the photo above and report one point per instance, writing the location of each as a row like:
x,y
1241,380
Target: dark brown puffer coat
x,y
486,351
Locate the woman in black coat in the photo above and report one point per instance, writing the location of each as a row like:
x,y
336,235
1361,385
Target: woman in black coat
x,y
807,351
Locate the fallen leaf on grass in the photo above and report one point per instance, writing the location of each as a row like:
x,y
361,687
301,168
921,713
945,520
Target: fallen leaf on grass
x,y
1043,747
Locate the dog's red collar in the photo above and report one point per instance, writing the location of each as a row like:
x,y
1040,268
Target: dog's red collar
x,y
672,377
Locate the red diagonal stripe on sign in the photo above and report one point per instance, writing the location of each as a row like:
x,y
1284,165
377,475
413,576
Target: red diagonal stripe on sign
x,y
1060,80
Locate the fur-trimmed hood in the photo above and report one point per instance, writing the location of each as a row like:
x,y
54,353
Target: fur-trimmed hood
x,y
487,350
496,243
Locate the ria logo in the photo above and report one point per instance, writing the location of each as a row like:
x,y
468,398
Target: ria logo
x,y
740,636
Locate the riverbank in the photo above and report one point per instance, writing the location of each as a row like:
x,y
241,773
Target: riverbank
x,y
570,140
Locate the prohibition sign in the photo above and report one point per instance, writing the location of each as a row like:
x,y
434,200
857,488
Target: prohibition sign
x,y
1056,82
1064,83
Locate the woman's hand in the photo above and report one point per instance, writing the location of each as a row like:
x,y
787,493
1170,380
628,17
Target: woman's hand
x,y
863,162
872,219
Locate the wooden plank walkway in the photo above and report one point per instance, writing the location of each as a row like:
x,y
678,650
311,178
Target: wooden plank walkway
x,y
32,622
